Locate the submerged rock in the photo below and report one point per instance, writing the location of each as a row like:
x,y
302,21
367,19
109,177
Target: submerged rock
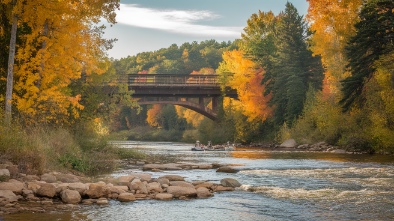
x,y
230,182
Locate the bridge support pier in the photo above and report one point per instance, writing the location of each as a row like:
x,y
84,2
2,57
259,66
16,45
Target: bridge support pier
x,y
201,102
215,104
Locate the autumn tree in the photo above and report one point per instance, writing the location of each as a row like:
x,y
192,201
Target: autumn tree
x,y
246,76
64,42
332,23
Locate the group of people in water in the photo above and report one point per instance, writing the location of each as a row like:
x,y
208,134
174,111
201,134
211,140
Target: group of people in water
x,y
201,147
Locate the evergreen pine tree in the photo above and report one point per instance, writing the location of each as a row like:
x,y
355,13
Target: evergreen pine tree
x,y
374,38
295,68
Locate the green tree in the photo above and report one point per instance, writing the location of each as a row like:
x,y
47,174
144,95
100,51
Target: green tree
x,y
374,38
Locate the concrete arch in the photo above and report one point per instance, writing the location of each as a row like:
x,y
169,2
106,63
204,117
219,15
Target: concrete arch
x,y
187,104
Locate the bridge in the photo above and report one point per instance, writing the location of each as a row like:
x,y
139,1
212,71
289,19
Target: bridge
x,y
191,91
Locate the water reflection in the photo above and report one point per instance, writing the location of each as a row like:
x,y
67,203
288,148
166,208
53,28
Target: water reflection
x,y
257,153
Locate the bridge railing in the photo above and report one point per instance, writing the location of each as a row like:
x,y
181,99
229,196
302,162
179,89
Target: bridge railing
x,y
166,79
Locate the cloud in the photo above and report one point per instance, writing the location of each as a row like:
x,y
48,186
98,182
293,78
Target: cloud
x,y
176,21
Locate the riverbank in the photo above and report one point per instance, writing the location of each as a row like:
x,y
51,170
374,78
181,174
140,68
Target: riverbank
x,y
55,191
291,145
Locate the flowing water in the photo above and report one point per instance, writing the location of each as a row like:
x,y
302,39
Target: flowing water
x,y
276,186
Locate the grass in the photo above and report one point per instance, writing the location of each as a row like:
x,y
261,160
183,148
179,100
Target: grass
x,y
36,150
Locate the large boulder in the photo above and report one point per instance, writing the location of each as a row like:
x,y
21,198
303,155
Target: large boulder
x,y
126,197
119,189
80,187
124,180
290,143
13,185
46,190
178,191
8,195
230,182
97,190
138,187
71,196
154,187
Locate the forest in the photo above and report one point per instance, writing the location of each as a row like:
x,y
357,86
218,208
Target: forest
x,y
328,76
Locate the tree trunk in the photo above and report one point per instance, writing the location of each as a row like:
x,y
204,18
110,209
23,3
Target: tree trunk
x,y
10,74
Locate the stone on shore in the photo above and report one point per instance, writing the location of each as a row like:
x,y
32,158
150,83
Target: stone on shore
x,y
164,196
126,197
230,182
71,196
102,201
80,187
13,185
124,180
154,187
4,175
97,190
67,178
178,191
48,178
290,143
138,187
46,190
8,195
163,181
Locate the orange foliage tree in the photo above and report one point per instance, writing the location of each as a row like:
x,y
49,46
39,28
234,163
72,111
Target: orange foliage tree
x,y
245,76
332,23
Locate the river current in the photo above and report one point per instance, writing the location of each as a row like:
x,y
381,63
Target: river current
x,y
276,185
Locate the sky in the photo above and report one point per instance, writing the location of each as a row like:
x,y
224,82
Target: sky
x,y
149,25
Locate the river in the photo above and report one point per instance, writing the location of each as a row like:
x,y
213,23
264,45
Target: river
x,y
276,186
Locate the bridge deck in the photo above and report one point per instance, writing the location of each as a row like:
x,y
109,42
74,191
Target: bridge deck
x,y
153,85
172,80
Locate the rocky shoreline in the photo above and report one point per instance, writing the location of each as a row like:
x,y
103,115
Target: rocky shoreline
x,y
291,145
20,193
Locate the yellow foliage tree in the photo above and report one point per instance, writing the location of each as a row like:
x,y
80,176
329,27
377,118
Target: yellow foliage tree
x,y
153,115
333,24
246,77
63,44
